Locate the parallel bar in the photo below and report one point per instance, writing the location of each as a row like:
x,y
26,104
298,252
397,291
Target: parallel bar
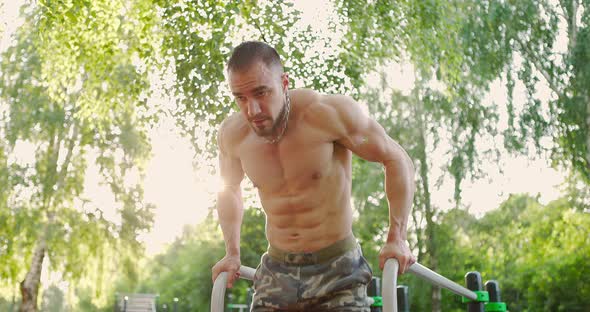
x,y
389,286
247,273
219,286
218,293
439,280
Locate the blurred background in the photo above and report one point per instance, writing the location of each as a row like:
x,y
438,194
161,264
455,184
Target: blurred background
x,y
109,110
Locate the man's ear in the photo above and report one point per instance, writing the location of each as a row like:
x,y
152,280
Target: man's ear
x,y
285,81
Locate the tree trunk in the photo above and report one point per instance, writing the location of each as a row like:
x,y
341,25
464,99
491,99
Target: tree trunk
x,y
29,287
435,292
588,134
432,251
419,236
428,210
13,300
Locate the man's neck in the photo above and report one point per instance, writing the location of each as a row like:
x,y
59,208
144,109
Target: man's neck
x,y
280,127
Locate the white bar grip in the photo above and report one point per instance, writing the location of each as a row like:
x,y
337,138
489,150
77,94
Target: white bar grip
x,y
220,284
439,280
247,273
218,292
389,285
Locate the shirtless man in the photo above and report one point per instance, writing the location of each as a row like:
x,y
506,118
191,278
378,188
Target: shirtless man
x,y
296,147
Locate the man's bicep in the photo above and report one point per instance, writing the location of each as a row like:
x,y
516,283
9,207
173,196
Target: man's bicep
x,y
370,142
230,167
360,133
378,146
231,170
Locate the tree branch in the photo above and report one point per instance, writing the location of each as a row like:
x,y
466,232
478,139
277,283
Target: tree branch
x,y
573,27
535,60
257,26
563,8
64,167
570,14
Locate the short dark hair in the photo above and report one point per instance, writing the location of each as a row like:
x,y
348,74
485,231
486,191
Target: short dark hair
x,y
250,52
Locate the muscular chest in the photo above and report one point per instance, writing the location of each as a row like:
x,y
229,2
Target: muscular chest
x,y
300,160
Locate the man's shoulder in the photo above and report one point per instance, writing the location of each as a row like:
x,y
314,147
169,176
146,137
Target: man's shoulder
x,y
305,96
311,103
314,100
322,108
231,130
232,120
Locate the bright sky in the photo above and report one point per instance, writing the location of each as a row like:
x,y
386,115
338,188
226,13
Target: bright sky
x,y
182,193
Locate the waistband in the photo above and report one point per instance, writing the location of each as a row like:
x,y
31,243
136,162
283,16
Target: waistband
x,y
320,256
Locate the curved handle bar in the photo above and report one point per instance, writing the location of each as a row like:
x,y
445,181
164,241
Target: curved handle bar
x,y
220,284
389,286
389,289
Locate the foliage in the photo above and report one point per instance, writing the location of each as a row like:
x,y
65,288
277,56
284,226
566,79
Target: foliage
x,y
184,270
197,40
74,89
537,252
557,236
468,45
522,40
53,299
458,49
71,89
8,303
380,31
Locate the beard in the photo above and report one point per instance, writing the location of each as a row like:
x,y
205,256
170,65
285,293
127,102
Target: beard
x,y
264,131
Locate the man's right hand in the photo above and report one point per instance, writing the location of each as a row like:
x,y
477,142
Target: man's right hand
x,y
229,264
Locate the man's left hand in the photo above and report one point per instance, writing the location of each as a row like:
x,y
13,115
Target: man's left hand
x,y
399,250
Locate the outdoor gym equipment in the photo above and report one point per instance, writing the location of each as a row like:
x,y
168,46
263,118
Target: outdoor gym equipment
x,y
476,298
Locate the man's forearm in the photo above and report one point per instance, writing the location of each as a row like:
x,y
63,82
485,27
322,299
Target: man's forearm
x,y
230,211
399,187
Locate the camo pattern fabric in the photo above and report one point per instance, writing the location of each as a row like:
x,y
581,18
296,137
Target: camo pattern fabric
x,y
296,285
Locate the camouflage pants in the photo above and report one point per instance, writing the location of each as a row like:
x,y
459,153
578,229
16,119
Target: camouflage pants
x,y
338,284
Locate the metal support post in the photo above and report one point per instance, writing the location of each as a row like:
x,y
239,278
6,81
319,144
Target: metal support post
x,y
474,283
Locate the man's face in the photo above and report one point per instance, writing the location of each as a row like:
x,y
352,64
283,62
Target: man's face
x,y
260,94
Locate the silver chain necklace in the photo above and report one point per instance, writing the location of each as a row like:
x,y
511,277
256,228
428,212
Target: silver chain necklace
x,y
285,119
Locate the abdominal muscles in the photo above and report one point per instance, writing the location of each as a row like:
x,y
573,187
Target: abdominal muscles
x,y
310,217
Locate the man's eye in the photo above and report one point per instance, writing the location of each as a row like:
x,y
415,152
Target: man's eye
x,y
261,93
240,98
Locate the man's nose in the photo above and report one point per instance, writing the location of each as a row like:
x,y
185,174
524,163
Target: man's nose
x,y
253,108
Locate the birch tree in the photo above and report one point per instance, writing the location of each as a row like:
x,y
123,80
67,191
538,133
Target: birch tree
x,y
72,90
